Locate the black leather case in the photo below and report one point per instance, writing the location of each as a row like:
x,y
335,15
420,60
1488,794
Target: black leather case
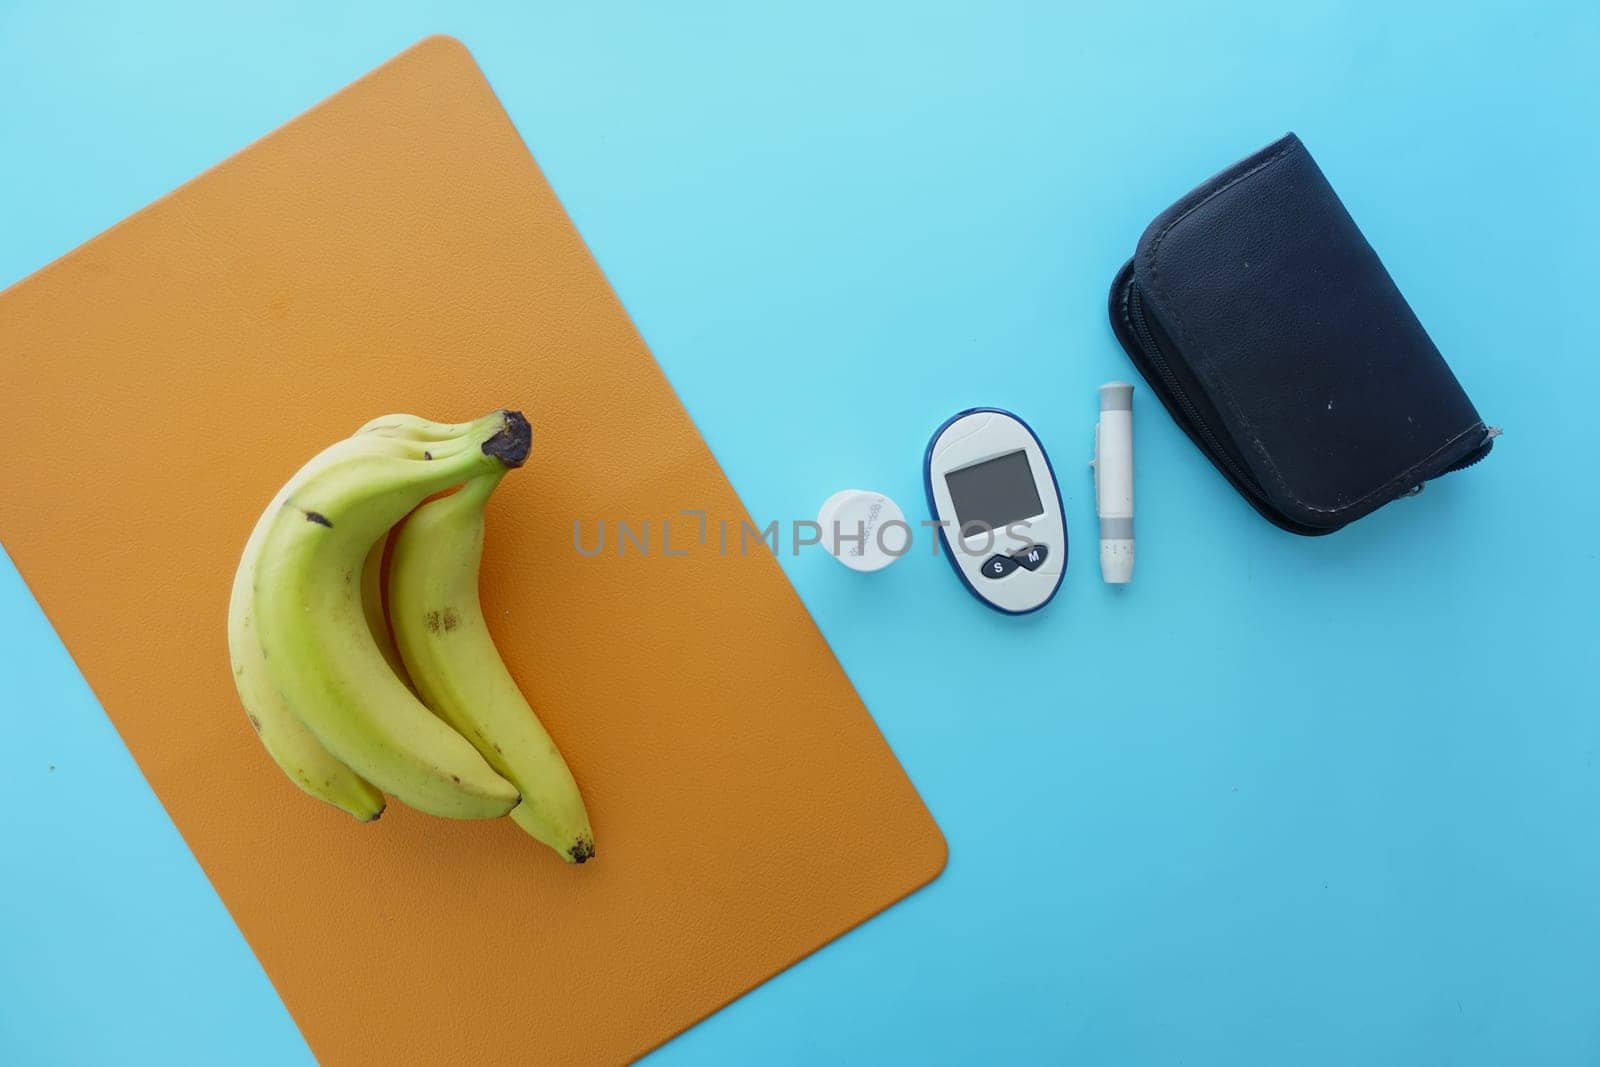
x,y
1269,328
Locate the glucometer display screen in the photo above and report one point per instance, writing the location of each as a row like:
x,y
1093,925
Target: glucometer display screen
x,y
996,492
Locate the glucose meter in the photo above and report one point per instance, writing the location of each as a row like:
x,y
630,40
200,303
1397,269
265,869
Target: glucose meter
x,y
994,494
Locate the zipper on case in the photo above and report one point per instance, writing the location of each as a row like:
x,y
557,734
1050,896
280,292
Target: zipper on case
x,y
1477,455
1158,361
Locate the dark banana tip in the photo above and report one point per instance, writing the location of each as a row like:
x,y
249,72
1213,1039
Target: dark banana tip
x,y
511,442
582,850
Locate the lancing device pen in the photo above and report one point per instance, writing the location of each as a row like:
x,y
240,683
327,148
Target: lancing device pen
x,y
1113,481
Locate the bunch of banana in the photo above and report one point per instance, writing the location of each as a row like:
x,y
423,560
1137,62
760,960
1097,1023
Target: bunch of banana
x,y
438,722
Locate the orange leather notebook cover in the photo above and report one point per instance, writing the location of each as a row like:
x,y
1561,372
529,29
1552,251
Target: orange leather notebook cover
x,y
397,249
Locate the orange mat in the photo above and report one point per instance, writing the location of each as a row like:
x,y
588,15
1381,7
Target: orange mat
x,y
396,248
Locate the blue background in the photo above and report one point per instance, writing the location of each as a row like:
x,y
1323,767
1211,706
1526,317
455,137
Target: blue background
x,y
1281,801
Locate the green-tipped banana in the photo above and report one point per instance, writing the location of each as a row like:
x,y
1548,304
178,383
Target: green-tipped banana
x,y
296,749
293,747
319,651
451,657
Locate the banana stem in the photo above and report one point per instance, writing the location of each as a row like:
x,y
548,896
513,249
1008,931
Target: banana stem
x,y
509,441
475,492
414,428
511,444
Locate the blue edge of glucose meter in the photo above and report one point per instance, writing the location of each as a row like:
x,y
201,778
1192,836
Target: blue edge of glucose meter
x,y
933,510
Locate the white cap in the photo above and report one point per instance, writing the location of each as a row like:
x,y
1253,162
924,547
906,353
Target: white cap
x,y
861,540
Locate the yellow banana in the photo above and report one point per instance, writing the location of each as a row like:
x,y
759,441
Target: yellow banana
x,y
319,651
451,658
293,747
